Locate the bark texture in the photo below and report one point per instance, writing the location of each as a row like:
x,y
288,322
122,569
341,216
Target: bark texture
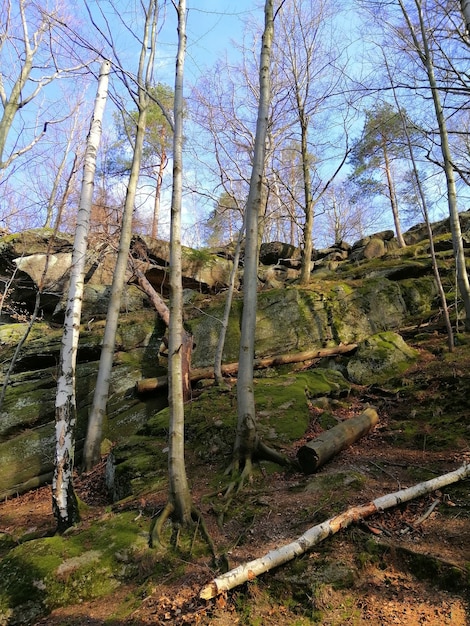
x,y
64,502
317,452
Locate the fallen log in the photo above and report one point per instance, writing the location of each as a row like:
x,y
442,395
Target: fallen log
x,y
229,369
316,534
317,452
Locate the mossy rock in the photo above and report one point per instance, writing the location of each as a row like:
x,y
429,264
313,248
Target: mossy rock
x,y
210,427
380,358
282,402
86,563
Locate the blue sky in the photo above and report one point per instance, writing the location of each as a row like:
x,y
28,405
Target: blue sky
x,y
212,26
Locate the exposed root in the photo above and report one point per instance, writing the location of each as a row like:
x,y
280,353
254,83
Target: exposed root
x,y
155,532
269,454
202,528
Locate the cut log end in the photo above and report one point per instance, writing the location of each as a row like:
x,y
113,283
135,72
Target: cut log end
x,y
318,451
209,591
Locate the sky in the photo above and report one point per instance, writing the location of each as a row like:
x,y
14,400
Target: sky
x,y
212,28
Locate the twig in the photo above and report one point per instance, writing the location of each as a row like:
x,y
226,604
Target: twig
x,y
428,513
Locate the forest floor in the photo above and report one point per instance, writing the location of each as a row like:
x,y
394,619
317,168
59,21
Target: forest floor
x,y
409,565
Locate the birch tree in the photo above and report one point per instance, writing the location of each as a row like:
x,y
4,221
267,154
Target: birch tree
x,y
100,397
64,502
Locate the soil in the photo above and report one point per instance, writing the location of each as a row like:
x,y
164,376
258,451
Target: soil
x,y
409,565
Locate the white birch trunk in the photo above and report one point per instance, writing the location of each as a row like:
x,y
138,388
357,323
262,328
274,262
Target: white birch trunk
x,y
63,498
180,496
246,439
316,534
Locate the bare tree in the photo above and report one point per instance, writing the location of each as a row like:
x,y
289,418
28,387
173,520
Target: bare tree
x,y
247,439
179,352
422,47
308,69
64,502
143,84
30,47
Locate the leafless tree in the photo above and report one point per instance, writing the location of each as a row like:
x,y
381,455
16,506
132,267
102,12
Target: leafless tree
x,y
142,86
65,506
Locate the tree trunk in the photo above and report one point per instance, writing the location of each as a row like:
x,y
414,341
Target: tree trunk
x,y
187,343
228,305
230,369
91,451
392,197
158,194
315,535
465,8
424,208
64,502
246,437
317,452
454,220
180,497
306,266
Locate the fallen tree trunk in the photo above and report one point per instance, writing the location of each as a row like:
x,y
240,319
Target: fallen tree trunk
x,y
317,452
316,534
230,369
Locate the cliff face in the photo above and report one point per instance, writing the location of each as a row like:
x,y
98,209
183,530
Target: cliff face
x,y
356,292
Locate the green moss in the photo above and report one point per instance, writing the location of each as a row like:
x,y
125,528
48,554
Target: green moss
x,y
282,402
85,563
200,257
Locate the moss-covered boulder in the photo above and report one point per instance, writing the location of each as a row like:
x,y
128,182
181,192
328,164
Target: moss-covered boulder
x,y
380,358
40,575
27,416
139,464
293,319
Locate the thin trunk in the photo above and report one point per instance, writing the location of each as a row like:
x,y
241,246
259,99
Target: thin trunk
x,y
454,220
12,105
392,197
422,197
228,305
55,186
100,398
67,190
465,8
247,438
158,194
180,496
306,266
64,502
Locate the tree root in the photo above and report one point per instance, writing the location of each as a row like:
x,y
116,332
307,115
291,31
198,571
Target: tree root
x,y
266,453
156,526
156,529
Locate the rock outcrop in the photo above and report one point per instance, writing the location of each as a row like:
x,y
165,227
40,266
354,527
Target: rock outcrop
x,y
371,288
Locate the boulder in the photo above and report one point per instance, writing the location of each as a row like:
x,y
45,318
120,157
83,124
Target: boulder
x,y
201,269
276,252
380,358
27,417
374,248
